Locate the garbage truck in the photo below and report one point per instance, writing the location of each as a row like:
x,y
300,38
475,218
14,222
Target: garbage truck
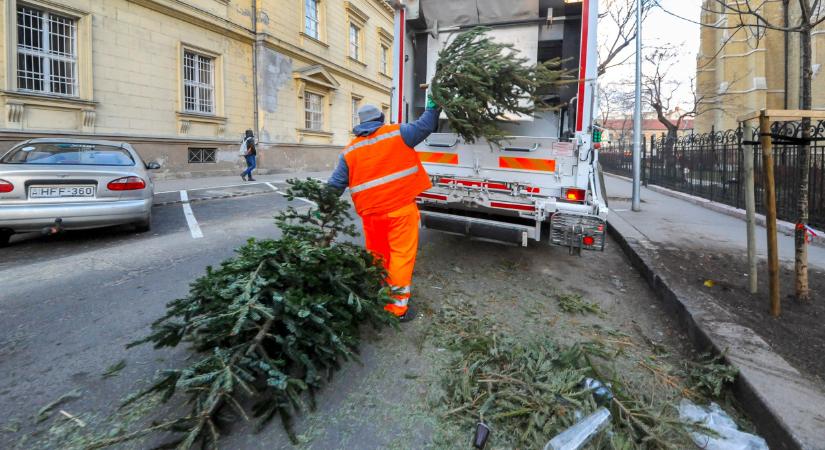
x,y
542,182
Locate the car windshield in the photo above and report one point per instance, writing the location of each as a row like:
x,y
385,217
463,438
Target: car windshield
x,y
84,154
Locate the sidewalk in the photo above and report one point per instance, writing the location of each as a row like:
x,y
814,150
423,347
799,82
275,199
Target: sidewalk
x,y
679,247
671,222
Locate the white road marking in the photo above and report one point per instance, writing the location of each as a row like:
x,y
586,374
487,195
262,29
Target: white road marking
x,y
308,201
194,228
301,199
271,185
215,187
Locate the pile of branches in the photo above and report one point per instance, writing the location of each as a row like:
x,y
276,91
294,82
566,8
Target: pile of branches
x,y
270,325
530,389
479,83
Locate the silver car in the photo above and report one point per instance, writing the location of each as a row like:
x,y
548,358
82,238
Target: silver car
x,y
54,184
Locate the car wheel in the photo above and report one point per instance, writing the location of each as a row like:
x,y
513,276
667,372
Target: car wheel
x,y
144,225
5,235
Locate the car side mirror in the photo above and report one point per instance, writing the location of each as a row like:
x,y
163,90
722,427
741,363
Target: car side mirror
x,y
154,165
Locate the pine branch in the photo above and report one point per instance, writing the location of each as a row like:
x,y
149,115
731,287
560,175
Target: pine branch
x,y
480,83
269,322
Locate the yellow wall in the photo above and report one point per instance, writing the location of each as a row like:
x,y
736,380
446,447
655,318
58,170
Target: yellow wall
x,y
130,72
753,69
288,49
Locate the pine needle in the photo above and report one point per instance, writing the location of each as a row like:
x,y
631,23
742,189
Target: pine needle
x,y
575,304
45,412
114,369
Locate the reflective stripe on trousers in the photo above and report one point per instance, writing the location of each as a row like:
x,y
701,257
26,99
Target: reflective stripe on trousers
x,y
401,295
393,238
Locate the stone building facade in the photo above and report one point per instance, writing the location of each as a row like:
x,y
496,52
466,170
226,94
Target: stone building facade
x,y
182,79
749,69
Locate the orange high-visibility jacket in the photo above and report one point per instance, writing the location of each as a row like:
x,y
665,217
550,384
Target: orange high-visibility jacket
x,y
385,173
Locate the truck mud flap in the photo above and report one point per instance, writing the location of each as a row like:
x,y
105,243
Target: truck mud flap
x,y
479,229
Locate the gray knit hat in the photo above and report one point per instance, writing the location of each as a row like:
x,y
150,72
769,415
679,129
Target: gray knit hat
x,y
369,113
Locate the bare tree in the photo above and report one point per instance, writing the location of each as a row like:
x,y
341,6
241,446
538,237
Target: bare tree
x,y
750,14
661,92
616,106
619,20
664,93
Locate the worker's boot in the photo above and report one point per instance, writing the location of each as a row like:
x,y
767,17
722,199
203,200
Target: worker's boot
x,y
408,316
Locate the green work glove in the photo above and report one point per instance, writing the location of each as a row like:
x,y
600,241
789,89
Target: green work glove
x,y
430,103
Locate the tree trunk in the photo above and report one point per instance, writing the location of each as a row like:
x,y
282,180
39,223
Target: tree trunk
x,y
803,166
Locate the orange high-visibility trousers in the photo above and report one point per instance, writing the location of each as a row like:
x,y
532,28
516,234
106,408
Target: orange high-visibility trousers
x,y
393,237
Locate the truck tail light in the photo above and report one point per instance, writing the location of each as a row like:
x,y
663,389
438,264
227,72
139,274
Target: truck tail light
x,y
5,186
574,194
127,184
588,240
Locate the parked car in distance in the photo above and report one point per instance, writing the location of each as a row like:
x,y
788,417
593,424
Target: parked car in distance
x,y
72,184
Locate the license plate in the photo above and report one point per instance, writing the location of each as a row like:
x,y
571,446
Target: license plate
x,y
62,191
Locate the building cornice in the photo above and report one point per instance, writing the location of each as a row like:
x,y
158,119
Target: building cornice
x,y
188,13
296,52
383,5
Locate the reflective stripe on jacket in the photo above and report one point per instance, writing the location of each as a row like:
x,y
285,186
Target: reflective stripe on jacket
x,y
384,172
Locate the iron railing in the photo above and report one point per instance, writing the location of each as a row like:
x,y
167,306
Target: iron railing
x,y
710,166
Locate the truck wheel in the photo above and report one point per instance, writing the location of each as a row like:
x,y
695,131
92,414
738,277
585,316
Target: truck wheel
x,y
5,236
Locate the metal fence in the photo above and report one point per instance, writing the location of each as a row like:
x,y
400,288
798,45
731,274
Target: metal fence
x,y
710,166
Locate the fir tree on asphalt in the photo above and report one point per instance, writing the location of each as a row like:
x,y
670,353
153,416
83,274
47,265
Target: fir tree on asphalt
x,y
269,326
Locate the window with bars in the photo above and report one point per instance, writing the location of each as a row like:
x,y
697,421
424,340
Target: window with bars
x,y
385,60
202,155
354,42
198,83
311,19
46,52
356,103
313,111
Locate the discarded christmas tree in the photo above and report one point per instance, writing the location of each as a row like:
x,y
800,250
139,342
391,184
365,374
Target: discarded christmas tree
x,y
480,83
269,325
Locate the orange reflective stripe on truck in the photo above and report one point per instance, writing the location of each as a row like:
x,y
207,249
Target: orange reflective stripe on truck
x,y
438,158
540,165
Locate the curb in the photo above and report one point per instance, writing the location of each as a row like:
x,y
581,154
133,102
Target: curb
x,y
782,226
784,407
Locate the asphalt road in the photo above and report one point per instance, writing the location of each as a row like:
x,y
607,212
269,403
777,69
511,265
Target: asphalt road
x,y
70,303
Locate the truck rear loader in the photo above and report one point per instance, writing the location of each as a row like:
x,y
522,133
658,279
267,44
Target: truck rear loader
x,y
542,182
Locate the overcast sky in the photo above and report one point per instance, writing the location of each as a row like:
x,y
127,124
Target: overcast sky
x,y
661,28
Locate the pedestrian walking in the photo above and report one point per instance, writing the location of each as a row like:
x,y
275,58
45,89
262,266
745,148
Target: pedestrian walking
x,y
384,175
250,154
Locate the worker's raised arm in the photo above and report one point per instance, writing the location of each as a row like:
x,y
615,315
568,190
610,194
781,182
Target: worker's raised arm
x,y
415,133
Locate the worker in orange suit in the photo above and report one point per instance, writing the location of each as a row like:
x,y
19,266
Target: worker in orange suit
x,y
384,175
